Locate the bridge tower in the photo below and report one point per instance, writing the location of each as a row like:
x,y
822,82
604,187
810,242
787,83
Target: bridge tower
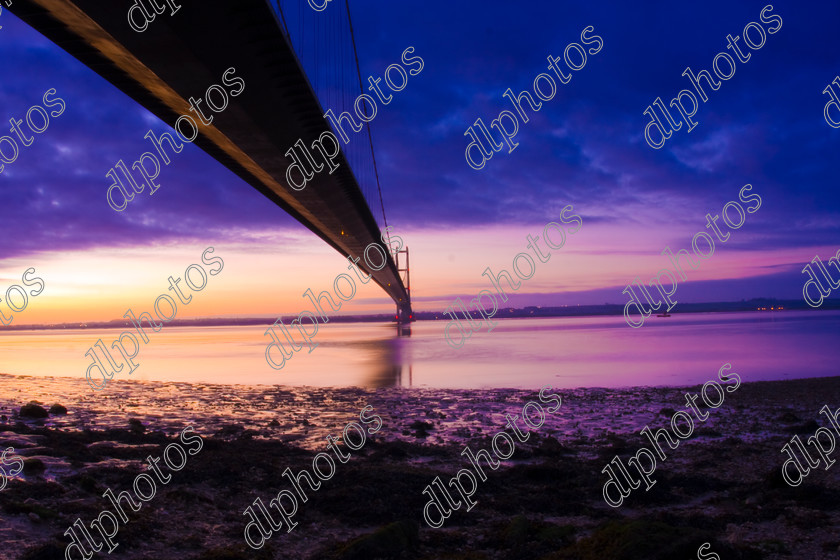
x,y
404,313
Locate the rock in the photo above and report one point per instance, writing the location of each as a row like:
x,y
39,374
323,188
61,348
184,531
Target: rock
x,y
58,409
120,450
551,447
33,410
389,541
230,430
34,517
235,553
517,530
520,531
136,426
47,551
708,432
652,540
33,465
421,429
88,484
789,418
809,427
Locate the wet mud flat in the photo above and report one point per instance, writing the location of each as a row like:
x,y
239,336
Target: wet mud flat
x,y
722,486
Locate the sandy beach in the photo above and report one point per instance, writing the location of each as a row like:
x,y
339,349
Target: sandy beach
x,y
722,486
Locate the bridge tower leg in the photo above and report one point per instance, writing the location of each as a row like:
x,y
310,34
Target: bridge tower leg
x,y
404,313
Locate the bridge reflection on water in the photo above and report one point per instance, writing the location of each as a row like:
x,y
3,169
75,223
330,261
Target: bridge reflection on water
x,y
390,363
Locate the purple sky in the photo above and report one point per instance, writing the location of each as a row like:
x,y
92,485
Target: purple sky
x,y
585,147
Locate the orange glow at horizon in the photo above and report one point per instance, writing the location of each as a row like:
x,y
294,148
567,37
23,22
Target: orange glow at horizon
x,y
266,274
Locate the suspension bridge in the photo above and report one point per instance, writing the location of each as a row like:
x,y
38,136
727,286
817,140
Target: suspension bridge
x,y
292,58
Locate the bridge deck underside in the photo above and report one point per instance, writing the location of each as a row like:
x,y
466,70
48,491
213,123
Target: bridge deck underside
x,y
180,56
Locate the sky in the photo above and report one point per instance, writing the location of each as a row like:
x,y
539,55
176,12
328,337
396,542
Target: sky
x,y
584,148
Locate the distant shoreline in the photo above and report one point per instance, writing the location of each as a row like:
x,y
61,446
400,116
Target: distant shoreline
x,y
760,305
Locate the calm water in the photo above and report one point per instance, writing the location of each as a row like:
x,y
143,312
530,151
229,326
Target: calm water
x,y
524,353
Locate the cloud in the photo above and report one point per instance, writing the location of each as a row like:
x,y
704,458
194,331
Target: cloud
x,y
585,147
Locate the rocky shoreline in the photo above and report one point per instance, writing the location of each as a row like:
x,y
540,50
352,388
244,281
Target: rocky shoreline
x,y
722,486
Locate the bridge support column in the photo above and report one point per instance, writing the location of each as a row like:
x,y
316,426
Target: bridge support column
x,y
404,313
